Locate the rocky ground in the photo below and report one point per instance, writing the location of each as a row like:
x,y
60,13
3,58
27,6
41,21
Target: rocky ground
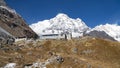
x,y
77,53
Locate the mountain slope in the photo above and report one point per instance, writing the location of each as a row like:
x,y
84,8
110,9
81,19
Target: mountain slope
x,y
13,23
58,24
112,30
99,34
5,37
86,52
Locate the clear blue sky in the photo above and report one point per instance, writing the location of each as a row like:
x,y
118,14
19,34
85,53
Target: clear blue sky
x,y
92,12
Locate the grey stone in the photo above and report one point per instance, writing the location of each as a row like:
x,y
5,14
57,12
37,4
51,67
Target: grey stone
x,y
59,59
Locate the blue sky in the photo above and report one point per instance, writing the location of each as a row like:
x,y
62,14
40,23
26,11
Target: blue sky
x,y
92,12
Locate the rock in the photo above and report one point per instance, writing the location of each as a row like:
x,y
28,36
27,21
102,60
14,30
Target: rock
x,y
10,65
5,37
75,50
16,48
10,41
59,59
35,65
27,65
5,49
2,3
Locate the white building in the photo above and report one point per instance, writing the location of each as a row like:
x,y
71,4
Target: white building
x,y
56,35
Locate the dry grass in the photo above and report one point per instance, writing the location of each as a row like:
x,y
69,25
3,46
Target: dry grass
x,y
77,53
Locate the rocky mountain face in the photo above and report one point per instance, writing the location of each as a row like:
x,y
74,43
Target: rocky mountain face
x,y
5,37
112,30
13,23
99,34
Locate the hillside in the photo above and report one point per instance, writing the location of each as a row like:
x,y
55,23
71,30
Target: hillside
x,y
86,52
13,23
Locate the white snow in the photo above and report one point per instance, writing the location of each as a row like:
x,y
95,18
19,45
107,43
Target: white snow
x,y
59,24
62,23
9,9
40,26
112,30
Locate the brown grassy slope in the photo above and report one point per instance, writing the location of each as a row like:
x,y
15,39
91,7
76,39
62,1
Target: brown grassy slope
x,y
77,53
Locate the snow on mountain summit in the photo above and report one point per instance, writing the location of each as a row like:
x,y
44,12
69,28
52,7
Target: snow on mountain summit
x,y
59,23
62,23
62,15
112,30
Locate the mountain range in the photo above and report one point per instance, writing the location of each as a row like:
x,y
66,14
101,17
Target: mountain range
x,y
14,26
90,50
78,28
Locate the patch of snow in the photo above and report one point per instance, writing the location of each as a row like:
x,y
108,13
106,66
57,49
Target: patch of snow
x,y
9,9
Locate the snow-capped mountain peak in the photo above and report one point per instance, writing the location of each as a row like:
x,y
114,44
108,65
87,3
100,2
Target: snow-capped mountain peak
x,y
60,23
62,15
112,30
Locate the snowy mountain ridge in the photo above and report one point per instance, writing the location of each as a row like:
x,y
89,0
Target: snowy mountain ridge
x,y
112,30
63,23
58,24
